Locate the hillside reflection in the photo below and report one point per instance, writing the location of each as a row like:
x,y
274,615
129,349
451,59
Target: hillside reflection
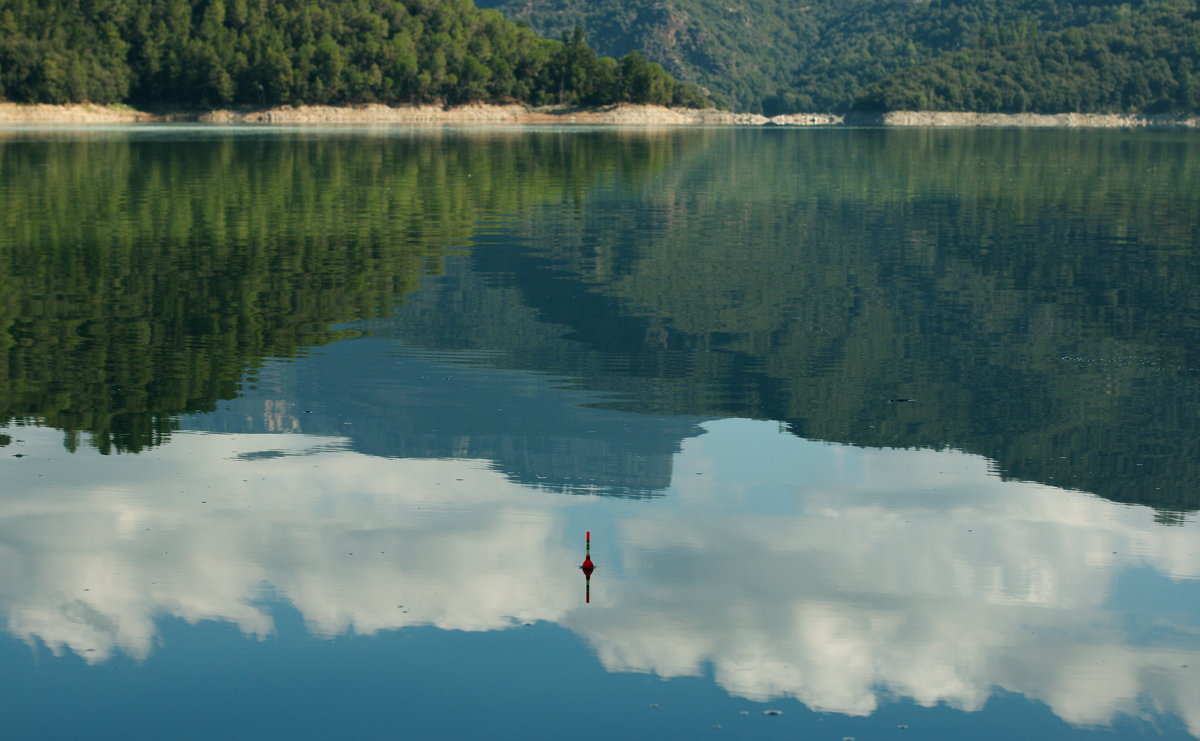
x,y
845,576
1035,293
146,271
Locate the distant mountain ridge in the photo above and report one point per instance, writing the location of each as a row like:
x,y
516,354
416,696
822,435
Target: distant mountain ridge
x,y
781,56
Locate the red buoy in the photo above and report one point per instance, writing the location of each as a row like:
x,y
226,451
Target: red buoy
x,y
588,567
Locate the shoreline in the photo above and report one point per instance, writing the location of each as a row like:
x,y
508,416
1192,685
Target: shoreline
x,y
378,114
620,115
946,119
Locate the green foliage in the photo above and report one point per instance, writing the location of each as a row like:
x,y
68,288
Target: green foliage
x,y
780,56
267,52
1144,63
738,53
45,47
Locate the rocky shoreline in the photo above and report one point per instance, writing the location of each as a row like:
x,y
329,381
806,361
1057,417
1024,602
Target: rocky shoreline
x,y
634,115
621,115
938,119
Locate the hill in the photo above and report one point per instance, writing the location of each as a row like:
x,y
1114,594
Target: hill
x,y
1139,63
267,52
779,56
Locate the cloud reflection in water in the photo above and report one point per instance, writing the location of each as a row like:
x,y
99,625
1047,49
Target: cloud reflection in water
x,y
837,575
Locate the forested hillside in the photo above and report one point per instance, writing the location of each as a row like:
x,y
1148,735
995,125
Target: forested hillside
x,y
267,52
777,56
1149,62
769,56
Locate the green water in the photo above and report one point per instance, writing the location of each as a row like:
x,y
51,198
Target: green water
x,y
886,430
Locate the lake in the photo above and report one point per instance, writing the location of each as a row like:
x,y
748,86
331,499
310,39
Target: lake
x,y
878,434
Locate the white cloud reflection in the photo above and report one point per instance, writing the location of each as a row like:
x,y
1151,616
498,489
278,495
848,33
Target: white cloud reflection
x,y
836,575
357,544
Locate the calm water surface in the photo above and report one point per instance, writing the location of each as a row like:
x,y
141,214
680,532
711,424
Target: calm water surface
x,y
877,434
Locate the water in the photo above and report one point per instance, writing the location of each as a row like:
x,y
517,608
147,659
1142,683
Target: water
x,y
877,434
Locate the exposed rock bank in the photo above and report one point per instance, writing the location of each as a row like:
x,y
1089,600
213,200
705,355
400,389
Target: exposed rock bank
x,y
37,113
806,119
630,115
1023,120
622,115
